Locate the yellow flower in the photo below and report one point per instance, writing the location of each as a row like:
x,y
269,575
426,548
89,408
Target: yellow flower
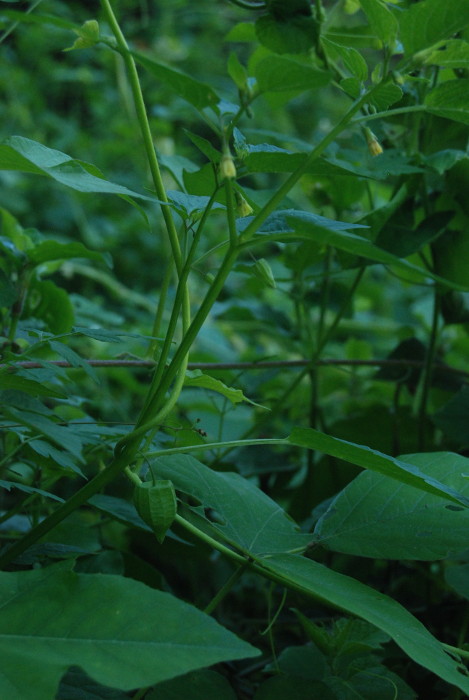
x,y
227,166
374,146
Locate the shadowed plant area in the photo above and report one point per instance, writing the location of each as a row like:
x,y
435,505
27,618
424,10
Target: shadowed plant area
x,y
234,314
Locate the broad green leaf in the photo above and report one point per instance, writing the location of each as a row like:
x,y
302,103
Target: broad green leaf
x,y
356,37
272,159
198,94
351,58
292,225
204,147
441,161
348,594
385,96
48,251
9,485
120,509
291,35
20,153
425,23
375,461
197,685
458,578
76,685
455,54
190,205
119,631
381,19
237,71
373,517
453,417
196,378
285,685
450,100
246,517
278,74
51,304
29,386
398,239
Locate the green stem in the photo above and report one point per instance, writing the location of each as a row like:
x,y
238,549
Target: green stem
x,y
427,373
217,445
226,588
145,130
234,556
154,397
317,151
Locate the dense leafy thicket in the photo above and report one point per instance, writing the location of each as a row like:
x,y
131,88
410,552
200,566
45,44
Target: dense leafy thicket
x,y
234,286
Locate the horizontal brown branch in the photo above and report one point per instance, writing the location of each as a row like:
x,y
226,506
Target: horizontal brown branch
x,y
263,364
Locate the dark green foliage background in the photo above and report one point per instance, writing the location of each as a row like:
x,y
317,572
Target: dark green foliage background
x,y
384,275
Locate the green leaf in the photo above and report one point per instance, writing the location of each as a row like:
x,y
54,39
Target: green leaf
x,y
455,54
51,304
237,71
425,23
198,94
29,386
19,153
287,35
58,456
9,485
74,359
374,461
381,19
450,100
278,74
453,417
196,378
246,517
48,251
292,225
198,685
61,436
372,517
347,594
120,509
385,96
351,58
190,205
458,578
119,631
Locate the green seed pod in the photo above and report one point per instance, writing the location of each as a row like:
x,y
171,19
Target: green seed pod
x,y
156,505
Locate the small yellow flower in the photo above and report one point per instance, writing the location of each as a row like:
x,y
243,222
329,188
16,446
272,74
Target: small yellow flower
x,y
227,166
374,146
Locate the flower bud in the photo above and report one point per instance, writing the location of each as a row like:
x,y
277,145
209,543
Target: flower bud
x,y
243,207
227,166
373,144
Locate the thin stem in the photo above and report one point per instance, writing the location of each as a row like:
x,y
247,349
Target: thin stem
x,y
226,588
314,154
145,130
427,373
13,26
